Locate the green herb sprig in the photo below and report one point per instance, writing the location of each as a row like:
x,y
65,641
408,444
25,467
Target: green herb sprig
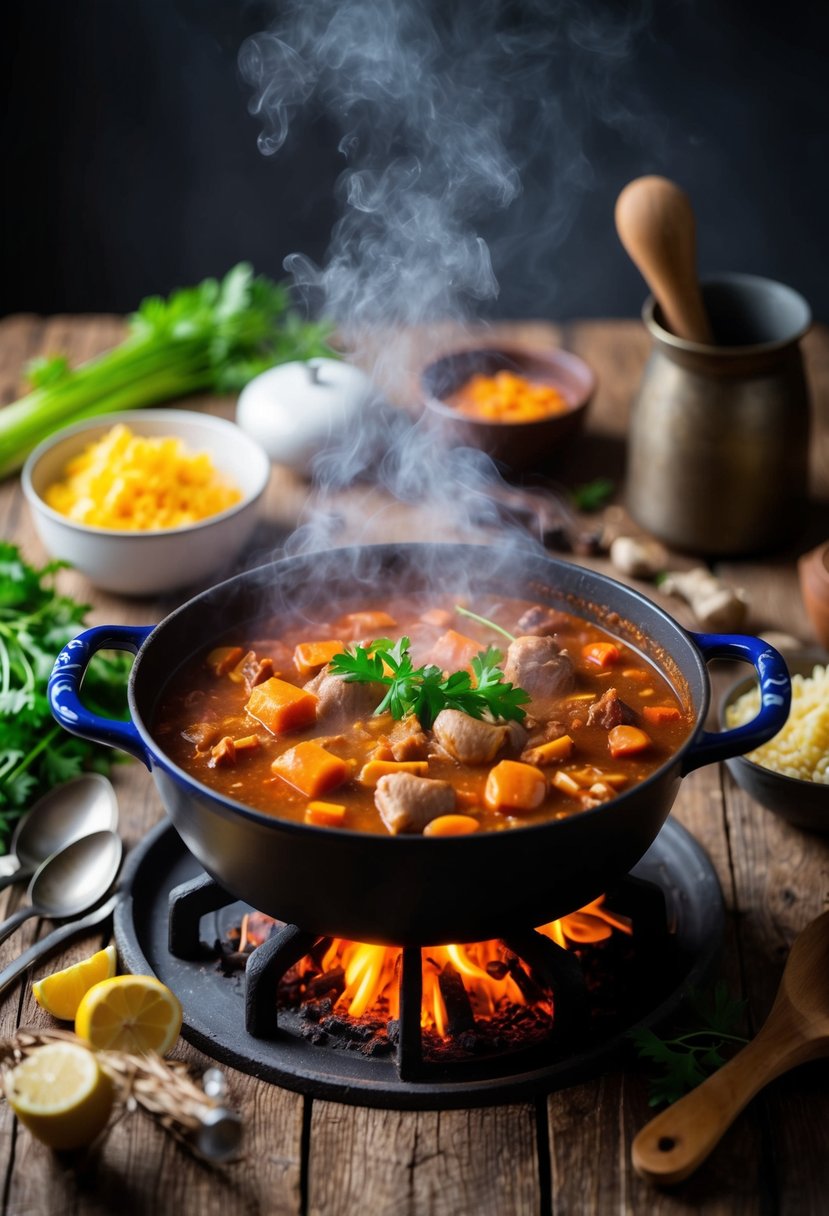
x,y
215,336
35,623
423,691
685,1060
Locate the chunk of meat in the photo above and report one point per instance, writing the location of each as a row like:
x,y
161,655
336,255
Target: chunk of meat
x,y
407,740
517,736
541,621
609,711
407,803
252,671
223,754
342,701
538,666
468,739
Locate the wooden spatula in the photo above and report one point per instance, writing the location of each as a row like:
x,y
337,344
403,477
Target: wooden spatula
x,y
655,223
673,1144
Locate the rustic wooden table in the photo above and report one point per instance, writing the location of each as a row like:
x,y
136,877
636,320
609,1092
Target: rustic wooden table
x,y
565,1153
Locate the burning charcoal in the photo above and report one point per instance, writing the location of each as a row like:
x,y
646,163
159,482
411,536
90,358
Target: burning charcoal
x,y
310,1012
459,1015
331,981
378,1047
497,970
314,1035
469,1041
529,989
393,1030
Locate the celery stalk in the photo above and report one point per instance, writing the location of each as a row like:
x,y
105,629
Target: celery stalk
x,y
215,336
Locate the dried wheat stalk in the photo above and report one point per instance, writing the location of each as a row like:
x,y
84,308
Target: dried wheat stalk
x,y
163,1089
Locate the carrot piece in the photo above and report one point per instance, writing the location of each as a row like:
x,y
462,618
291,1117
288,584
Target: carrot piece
x,y
280,706
454,651
367,624
657,714
601,654
371,772
552,752
627,741
310,768
438,617
468,797
311,656
514,786
325,814
223,659
451,825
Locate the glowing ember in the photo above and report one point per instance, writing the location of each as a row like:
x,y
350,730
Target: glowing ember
x,y
484,976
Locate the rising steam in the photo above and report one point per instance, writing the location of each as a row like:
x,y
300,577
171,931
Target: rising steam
x,y
440,112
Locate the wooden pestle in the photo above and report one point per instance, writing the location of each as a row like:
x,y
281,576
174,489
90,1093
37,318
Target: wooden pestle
x,y
655,223
672,1145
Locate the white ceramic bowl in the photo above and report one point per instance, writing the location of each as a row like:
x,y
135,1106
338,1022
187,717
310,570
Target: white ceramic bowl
x,y
165,559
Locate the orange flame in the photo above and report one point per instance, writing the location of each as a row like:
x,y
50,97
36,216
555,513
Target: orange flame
x,y
372,972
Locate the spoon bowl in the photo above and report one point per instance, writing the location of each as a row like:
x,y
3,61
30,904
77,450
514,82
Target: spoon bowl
x,y
71,880
80,806
678,1140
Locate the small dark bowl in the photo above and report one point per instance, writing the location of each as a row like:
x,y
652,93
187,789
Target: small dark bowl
x,y
517,445
805,804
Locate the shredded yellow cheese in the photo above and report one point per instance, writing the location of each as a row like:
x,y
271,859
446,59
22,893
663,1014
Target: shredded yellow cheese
x,y
138,483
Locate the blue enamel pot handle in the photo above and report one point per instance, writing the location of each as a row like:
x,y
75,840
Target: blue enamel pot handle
x,y
65,683
775,698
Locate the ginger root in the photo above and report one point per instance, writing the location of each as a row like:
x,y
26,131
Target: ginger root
x,y
714,604
637,557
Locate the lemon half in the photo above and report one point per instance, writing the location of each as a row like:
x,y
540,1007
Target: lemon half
x,y
61,1094
61,993
134,1013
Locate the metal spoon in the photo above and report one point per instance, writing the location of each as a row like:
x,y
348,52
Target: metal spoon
x,y
80,806
70,881
673,1144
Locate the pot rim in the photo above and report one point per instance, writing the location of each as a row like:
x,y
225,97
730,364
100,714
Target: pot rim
x,y
737,278
231,809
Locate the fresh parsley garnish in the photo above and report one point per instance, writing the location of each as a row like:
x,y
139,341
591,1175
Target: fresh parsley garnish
x,y
35,623
687,1059
424,691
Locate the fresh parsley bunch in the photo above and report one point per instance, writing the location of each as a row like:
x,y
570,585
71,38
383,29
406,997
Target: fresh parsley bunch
x,y
35,623
423,691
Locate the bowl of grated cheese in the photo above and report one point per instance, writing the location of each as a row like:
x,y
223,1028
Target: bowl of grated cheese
x,y
789,775
147,502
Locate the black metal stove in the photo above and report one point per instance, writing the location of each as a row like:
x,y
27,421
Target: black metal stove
x,y
175,916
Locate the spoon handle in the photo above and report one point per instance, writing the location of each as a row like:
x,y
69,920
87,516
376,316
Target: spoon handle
x,y
16,920
21,874
655,223
672,1145
56,938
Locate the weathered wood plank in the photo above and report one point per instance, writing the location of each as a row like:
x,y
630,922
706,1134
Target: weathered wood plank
x,y
392,1163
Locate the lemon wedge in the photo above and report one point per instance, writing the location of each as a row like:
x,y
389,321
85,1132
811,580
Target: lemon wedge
x,y
134,1013
61,1094
60,993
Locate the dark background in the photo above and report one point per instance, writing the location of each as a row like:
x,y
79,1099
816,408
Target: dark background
x,y
131,163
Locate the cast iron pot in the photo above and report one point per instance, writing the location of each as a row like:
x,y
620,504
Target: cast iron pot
x,y
412,890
